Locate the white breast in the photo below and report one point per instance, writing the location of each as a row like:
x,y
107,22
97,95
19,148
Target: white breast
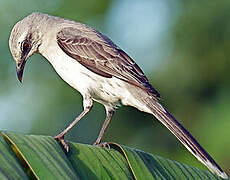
x,y
108,91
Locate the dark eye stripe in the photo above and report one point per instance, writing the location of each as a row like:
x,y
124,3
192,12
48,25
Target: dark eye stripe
x,y
25,46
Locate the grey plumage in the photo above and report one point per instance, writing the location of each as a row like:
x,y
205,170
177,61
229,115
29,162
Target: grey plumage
x,y
100,55
91,63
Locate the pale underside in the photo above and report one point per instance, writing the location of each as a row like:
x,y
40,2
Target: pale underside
x,y
108,76
108,91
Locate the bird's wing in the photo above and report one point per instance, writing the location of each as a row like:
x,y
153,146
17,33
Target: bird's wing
x,y
100,55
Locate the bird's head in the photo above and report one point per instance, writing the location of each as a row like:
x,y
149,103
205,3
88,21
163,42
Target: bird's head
x,y
24,41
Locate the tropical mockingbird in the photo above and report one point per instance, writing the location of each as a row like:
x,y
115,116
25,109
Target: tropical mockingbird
x,y
93,65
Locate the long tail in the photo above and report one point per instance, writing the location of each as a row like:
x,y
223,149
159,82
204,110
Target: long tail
x,y
184,137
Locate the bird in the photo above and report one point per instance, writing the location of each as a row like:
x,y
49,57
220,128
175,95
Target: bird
x,y
99,70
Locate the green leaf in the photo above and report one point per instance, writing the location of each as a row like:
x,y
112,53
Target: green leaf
x,y
42,157
155,167
100,163
10,168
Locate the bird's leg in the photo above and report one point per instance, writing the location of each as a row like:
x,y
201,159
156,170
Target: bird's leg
x,y
88,104
109,115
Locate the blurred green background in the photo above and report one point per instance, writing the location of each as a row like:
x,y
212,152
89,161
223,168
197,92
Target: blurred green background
x,y
182,46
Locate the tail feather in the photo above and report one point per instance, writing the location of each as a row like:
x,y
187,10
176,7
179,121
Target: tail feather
x,y
184,137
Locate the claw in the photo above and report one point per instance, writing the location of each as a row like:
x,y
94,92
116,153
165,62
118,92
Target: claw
x,y
61,140
104,145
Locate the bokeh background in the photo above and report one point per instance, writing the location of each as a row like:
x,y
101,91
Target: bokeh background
x,y
182,46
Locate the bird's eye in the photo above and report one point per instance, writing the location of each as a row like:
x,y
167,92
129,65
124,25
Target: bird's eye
x,y
25,46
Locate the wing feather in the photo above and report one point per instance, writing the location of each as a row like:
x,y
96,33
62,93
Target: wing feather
x,y
100,55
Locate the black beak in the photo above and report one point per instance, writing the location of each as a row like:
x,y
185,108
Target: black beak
x,y
25,48
20,69
21,65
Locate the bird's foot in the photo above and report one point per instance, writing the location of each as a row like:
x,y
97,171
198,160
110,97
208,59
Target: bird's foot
x,y
60,139
104,145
